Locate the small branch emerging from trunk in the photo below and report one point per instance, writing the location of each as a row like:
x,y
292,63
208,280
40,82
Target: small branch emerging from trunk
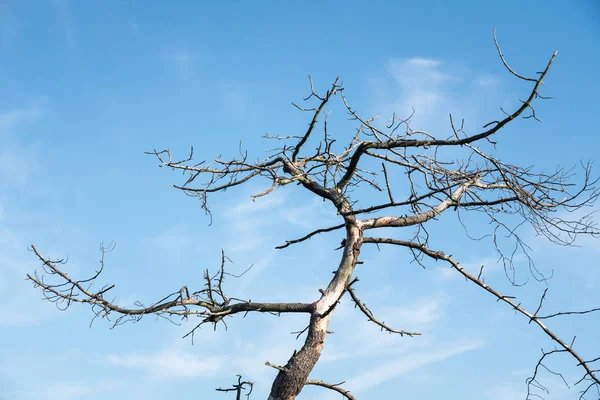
x,y
332,386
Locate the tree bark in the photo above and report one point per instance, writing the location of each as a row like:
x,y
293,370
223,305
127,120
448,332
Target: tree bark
x,y
292,378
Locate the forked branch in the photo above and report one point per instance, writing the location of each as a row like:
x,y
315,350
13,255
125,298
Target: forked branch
x,y
238,388
210,303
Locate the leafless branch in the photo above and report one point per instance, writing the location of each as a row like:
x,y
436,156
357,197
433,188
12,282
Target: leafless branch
x,y
309,235
363,307
508,196
439,255
332,386
335,386
238,388
507,66
210,304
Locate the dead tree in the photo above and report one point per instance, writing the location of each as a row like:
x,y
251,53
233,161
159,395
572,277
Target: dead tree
x,y
477,182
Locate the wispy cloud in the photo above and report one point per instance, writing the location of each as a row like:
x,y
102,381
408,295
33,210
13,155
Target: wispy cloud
x,y
420,84
236,352
248,221
430,87
362,338
392,369
171,364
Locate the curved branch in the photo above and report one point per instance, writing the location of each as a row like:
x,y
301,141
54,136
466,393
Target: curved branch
x,y
332,386
211,303
569,313
412,143
363,307
439,255
506,64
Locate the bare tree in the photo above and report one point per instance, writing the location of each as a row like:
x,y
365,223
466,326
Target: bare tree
x,y
475,182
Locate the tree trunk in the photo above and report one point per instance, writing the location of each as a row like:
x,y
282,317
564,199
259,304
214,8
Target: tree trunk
x,y
290,381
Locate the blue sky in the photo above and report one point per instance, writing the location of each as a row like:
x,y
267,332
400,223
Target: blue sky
x,y
90,85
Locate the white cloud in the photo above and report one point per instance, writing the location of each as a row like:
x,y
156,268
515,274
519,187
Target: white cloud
x,y
243,349
248,221
171,364
423,62
362,338
419,313
392,369
433,89
252,363
421,83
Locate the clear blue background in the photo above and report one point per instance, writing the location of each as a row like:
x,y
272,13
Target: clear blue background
x,y
88,86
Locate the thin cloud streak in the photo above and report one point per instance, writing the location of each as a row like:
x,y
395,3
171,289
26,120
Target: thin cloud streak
x,y
171,364
390,370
